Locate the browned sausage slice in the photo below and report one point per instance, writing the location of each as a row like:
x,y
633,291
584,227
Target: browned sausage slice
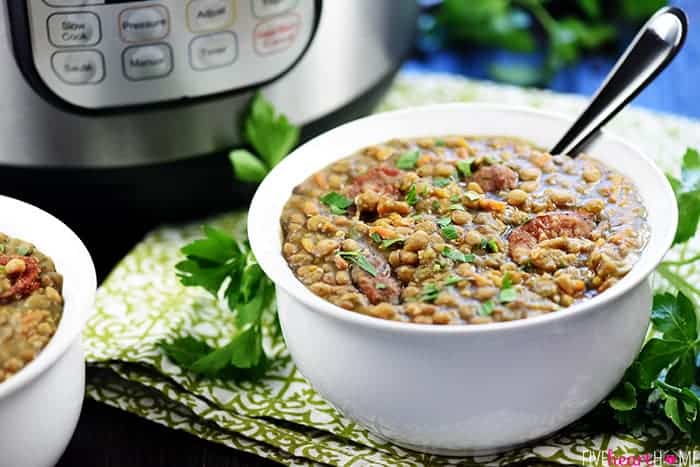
x,y
369,285
24,283
545,227
495,178
381,180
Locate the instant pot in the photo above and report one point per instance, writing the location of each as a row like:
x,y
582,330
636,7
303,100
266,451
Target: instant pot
x,y
116,115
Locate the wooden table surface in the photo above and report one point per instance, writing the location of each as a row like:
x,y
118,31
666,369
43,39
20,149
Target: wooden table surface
x,y
108,437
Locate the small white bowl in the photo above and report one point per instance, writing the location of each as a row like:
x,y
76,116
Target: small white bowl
x,y
462,389
40,405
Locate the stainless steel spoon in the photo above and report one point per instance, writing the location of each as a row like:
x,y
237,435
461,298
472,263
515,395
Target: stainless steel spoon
x,y
656,44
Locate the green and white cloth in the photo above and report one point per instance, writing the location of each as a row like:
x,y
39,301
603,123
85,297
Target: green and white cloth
x,y
281,417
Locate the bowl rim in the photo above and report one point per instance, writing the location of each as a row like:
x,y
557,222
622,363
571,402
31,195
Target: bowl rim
x,y
82,308
301,293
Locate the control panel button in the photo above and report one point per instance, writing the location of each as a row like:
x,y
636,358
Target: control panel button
x,y
79,67
213,50
144,24
265,8
276,34
71,29
210,15
73,2
148,61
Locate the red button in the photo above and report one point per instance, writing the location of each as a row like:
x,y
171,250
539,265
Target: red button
x,y
277,34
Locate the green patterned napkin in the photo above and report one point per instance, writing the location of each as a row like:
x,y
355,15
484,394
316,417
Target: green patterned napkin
x,y
280,417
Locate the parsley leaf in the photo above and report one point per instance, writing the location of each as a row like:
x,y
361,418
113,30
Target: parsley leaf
x,y
270,133
487,308
452,280
450,232
247,167
490,245
430,292
359,259
408,160
465,167
675,317
687,191
337,202
507,293
412,196
441,182
443,221
624,398
457,255
389,242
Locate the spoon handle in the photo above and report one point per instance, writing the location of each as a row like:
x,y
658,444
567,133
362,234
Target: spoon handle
x,y
656,44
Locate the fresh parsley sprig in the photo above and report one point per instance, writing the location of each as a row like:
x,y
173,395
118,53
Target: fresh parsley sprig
x,y
227,270
270,134
664,379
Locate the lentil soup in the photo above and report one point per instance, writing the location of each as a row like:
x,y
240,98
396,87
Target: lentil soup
x,y
31,304
462,230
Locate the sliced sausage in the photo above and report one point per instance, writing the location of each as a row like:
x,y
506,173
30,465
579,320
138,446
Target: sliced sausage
x,y
388,291
380,180
545,227
23,283
495,178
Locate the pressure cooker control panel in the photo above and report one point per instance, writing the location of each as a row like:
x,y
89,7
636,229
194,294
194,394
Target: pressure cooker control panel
x,y
99,54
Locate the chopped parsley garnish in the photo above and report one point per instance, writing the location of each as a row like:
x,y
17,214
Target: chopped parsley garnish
x,y
430,292
456,207
337,202
457,255
380,286
436,205
465,167
23,250
508,293
359,259
389,242
455,199
2,248
490,245
452,280
439,142
376,237
412,196
472,196
450,232
443,221
441,182
408,160
487,308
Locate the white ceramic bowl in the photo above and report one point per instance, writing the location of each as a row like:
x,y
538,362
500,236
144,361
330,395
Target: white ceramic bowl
x,y
40,405
462,389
